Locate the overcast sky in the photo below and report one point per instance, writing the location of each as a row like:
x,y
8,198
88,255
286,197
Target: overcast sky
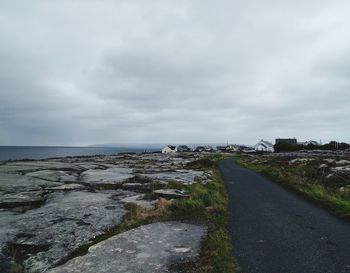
x,y
84,72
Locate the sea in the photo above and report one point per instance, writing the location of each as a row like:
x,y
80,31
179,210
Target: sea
x,y
36,152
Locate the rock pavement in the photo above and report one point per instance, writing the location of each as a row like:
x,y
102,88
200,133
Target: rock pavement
x,y
51,208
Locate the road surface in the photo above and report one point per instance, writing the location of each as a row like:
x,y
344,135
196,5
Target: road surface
x,y
275,231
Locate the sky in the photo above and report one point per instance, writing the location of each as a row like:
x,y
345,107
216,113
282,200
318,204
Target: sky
x,y
81,72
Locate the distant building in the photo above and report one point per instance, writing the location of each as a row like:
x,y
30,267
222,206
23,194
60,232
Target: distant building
x,y
311,142
231,148
221,148
291,141
200,149
228,148
183,148
169,149
264,146
209,148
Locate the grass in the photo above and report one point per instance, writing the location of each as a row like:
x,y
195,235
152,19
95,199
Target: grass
x,y
332,201
208,203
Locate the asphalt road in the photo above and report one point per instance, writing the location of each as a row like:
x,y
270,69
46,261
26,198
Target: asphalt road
x,y
275,231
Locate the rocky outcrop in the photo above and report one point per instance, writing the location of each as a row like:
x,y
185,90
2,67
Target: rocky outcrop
x,y
64,223
49,209
147,249
138,200
107,177
180,176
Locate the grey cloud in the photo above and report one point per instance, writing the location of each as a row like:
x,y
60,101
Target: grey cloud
x,y
83,72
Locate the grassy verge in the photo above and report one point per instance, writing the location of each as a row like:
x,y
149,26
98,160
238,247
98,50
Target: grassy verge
x,y
315,192
208,202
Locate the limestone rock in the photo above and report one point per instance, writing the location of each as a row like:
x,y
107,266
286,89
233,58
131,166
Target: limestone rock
x,y
67,187
171,193
11,200
180,176
65,222
138,200
146,249
343,162
53,175
110,176
21,183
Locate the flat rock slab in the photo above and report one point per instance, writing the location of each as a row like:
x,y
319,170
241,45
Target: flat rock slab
x,y
146,249
65,222
138,200
18,183
31,166
53,175
171,193
180,176
11,200
114,175
67,187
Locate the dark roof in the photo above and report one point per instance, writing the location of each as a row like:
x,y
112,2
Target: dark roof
x,y
171,147
292,141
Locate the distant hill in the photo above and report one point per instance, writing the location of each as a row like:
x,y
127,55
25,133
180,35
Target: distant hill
x,y
136,146
157,145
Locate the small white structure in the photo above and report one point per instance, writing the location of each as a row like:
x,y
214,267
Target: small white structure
x,y
264,146
231,148
169,149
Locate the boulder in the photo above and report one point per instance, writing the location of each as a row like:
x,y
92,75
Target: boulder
x,y
342,169
343,162
329,160
301,160
345,190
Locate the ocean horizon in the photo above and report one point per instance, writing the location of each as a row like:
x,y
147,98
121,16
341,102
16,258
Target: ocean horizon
x,y
43,152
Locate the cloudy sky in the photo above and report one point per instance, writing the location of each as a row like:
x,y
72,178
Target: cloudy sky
x,y
82,72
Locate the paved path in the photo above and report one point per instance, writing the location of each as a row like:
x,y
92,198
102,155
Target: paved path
x,y
275,231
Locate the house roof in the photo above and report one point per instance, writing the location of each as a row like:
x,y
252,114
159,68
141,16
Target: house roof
x,y
265,144
313,142
170,147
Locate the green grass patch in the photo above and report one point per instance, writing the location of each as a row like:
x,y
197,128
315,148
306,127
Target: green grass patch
x,y
317,193
208,203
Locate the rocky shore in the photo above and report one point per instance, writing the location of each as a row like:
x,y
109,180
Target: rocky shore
x,y
51,208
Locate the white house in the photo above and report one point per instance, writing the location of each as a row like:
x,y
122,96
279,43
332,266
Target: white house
x,y
231,148
264,146
169,149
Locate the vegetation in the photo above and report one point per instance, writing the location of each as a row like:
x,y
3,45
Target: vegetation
x,y
307,179
208,203
287,147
